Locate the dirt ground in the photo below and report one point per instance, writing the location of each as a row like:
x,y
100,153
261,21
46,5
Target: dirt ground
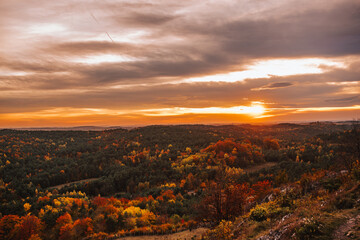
x,y
185,235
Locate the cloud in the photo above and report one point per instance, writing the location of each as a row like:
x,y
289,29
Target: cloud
x,y
306,91
163,43
353,99
92,47
144,19
273,86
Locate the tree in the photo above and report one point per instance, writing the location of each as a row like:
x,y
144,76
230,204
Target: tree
x,y
66,232
271,144
30,225
64,219
78,230
7,226
83,227
349,150
261,189
224,201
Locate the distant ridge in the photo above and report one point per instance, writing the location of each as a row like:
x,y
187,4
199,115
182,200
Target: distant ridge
x,y
78,128
102,128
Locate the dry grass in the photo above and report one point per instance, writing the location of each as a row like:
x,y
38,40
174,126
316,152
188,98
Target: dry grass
x,y
185,235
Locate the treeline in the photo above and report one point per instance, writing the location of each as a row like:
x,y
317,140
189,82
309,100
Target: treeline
x,y
180,170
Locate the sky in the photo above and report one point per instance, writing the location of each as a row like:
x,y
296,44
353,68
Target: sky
x,y
142,62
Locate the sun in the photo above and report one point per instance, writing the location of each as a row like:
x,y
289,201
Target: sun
x,y
255,109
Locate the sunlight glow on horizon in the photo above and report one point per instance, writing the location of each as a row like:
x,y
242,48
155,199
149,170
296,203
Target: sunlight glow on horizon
x,y
327,109
70,116
255,109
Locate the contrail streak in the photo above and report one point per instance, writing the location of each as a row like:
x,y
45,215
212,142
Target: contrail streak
x,y
110,37
92,15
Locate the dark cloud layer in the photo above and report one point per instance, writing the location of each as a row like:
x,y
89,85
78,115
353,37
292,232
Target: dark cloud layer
x,y
310,33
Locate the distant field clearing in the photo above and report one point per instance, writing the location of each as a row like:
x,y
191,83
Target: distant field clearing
x,y
71,183
259,167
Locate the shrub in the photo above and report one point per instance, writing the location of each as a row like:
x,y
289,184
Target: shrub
x,y
331,184
355,171
222,231
281,177
344,203
258,213
310,229
286,199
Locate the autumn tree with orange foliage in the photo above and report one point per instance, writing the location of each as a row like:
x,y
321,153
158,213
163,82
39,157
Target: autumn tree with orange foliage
x,y
83,227
30,225
224,201
64,219
235,154
7,226
66,232
261,189
271,144
78,230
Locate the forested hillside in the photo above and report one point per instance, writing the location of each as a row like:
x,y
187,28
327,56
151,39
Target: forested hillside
x,y
165,179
